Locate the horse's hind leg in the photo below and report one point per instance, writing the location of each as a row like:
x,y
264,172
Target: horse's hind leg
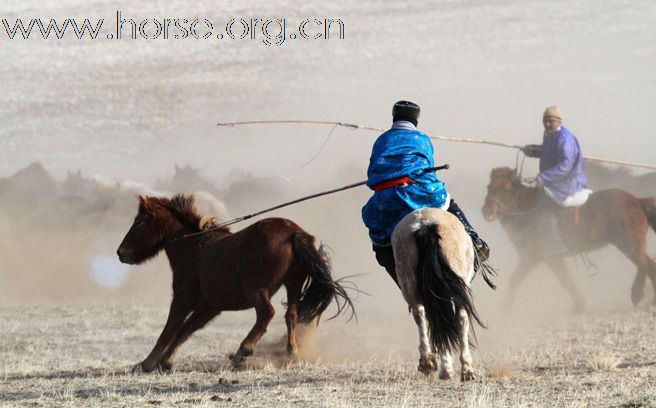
x,y
427,359
177,315
638,287
652,276
467,373
446,366
636,250
197,320
264,312
561,271
291,316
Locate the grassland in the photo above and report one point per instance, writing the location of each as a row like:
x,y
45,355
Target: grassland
x,y
80,355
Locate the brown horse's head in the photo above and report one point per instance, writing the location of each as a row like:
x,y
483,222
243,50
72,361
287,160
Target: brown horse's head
x,y
158,220
500,192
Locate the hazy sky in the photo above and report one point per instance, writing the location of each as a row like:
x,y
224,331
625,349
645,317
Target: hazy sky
x,y
481,69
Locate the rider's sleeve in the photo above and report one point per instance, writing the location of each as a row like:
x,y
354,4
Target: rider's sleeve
x,y
566,158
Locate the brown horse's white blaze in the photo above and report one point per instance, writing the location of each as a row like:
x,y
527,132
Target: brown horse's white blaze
x,y
435,265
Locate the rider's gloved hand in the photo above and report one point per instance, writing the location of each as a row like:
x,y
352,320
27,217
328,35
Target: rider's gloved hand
x,y
532,150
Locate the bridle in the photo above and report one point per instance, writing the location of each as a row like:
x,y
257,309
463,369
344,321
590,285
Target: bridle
x,y
510,210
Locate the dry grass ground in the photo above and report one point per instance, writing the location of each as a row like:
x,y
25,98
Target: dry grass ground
x,y
81,356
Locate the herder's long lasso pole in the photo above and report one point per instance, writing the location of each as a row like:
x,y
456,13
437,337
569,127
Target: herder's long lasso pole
x,y
445,138
298,200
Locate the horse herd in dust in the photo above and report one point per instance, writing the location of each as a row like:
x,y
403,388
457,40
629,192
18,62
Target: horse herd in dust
x,y
215,269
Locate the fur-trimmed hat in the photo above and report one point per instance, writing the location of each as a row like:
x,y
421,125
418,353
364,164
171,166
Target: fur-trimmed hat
x,y
405,110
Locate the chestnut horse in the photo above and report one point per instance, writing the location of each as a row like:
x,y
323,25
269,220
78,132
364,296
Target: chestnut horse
x,y
610,216
220,270
435,265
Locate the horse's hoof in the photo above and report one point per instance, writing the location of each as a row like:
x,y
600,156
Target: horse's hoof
x,y
238,359
165,367
292,351
637,297
427,365
142,368
467,376
446,374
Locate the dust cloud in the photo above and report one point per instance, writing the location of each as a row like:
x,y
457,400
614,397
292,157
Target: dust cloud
x,y
131,110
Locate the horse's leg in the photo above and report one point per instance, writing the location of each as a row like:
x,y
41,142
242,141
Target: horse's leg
x,y
427,360
294,289
291,319
197,320
446,366
646,268
177,314
634,247
525,265
561,271
652,276
638,287
264,312
466,362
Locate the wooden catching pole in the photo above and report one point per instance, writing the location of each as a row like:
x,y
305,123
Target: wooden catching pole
x,y
288,203
443,138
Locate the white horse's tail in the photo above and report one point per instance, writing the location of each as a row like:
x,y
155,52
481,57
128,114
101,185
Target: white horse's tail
x,y
443,292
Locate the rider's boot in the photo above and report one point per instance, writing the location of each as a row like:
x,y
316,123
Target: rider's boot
x,y
482,249
385,258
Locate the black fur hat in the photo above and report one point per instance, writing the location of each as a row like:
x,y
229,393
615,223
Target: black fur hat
x,y
405,110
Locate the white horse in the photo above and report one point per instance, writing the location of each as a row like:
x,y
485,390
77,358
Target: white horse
x,y
435,265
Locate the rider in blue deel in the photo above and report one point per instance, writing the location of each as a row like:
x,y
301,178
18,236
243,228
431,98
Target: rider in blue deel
x,y
401,185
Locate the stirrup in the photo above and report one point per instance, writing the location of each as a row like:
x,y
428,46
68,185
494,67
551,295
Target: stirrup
x,y
481,264
482,249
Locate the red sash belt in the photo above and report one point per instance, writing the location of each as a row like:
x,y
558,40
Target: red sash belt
x,y
392,182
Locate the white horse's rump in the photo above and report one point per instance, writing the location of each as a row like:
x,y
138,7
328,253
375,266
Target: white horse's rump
x,y
434,265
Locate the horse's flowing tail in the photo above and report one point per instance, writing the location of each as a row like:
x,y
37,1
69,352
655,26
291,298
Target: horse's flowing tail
x,y
319,289
442,290
649,207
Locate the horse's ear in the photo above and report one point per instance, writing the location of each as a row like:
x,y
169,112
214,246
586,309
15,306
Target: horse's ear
x,y
145,204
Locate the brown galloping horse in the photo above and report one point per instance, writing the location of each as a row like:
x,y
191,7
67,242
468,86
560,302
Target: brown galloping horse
x,y
610,216
221,270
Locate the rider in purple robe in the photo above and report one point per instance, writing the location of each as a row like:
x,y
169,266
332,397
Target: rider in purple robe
x,y
561,161
561,174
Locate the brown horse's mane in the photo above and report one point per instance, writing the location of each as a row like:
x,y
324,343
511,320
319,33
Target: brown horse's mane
x,y
183,206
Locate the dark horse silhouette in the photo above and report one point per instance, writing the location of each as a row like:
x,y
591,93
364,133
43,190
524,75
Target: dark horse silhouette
x,y
610,216
221,270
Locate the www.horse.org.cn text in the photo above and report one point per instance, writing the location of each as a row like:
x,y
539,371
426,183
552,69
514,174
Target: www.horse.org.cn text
x,y
268,31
